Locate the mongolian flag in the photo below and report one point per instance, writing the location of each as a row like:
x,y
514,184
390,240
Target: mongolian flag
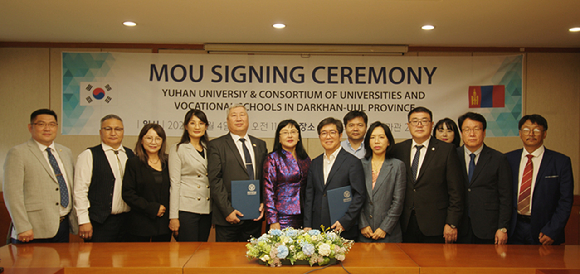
x,y
486,96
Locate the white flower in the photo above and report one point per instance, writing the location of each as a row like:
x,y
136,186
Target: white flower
x,y
340,257
324,249
265,258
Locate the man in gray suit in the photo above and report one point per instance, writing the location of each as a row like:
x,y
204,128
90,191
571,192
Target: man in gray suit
x,y
38,183
487,178
234,156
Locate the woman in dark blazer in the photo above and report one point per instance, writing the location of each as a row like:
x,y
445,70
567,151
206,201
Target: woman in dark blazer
x,y
385,179
146,187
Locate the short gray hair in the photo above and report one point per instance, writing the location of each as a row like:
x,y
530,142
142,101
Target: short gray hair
x,y
238,105
111,116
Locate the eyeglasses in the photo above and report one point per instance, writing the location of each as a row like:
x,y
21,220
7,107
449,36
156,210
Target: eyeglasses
x,y
535,131
332,133
469,130
50,125
110,129
288,133
150,139
416,122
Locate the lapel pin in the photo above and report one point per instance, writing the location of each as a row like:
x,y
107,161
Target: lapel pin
x,y
254,144
433,148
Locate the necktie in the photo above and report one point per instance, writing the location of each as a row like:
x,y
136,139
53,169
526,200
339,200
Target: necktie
x,y
59,178
415,164
526,188
471,167
248,159
119,163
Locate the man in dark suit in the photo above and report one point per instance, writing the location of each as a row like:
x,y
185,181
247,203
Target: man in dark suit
x,y
487,177
334,168
434,193
234,156
98,182
543,187
38,183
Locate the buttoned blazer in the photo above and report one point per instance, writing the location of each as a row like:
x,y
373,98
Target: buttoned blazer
x,y
225,165
347,170
189,181
437,195
552,198
31,190
488,197
384,203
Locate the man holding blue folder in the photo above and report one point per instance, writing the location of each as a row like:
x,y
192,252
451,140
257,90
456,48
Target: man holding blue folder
x,y
235,157
334,169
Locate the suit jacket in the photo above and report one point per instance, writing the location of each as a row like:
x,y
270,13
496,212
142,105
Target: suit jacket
x,y
552,198
488,199
189,181
346,170
31,190
226,165
144,195
437,195
384,203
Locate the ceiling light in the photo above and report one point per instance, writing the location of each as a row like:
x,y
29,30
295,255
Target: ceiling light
x,y
129,24
576,29
428,27
279,26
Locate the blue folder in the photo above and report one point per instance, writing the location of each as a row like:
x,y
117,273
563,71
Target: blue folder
x,y
246,198
338,202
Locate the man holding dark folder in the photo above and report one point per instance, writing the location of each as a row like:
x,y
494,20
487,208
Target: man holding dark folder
x,y
332,170
235,157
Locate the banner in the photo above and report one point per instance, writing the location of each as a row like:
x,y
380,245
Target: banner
x,y
160,88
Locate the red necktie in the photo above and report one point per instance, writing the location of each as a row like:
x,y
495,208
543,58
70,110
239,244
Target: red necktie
x,y
526,188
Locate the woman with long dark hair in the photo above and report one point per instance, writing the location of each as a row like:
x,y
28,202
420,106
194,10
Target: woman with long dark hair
x,y
385,179
190,205
446,130
285,172
146,187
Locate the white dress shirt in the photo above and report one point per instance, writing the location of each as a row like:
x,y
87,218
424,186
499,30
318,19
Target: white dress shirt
x,y
83,175
468,158
328,162
423,151
250,147
536,161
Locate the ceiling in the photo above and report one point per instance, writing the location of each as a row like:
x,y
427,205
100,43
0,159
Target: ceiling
x,y
458,23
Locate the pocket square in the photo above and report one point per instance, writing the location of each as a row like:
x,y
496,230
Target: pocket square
x,y
552,176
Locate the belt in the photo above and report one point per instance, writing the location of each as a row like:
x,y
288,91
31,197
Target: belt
x,y
524,218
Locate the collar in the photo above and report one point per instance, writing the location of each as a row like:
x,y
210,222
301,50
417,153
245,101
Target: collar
x,y
333,155
477,152
108,147
425,144
237,137
43,147
537,153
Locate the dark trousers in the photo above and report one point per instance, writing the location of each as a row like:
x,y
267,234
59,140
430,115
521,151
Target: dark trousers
x,y
113,229
238,233
522,234
469,238
61,235
157,238
193,227
414,235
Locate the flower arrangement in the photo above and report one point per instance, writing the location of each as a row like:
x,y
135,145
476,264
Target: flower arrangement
x,y
313,246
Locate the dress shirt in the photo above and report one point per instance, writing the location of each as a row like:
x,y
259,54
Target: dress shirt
x,y
328,162
359,152
249,145
468,158
84,174
423,152
536,161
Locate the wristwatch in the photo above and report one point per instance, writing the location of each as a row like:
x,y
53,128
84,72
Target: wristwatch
x,y
503,229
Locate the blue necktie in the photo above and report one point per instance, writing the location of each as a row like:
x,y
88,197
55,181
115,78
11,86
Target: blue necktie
x,y
248,159
59,178
415,164
471,167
